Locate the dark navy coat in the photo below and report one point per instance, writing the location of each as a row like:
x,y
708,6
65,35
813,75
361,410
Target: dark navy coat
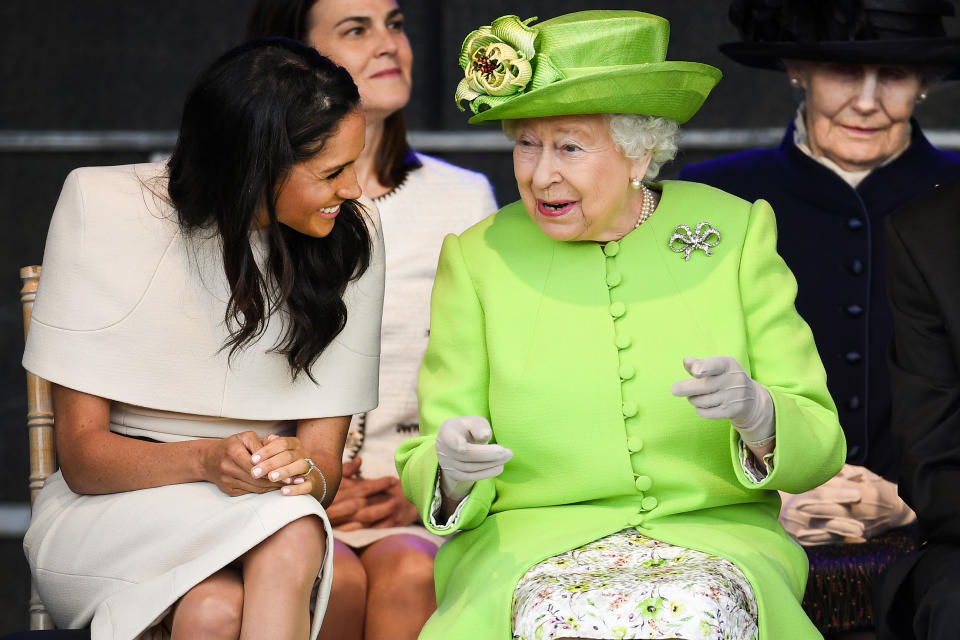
x,y
831,236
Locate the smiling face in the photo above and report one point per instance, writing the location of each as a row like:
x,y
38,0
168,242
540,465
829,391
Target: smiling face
x,y
309,200
858,115
574,180
366,37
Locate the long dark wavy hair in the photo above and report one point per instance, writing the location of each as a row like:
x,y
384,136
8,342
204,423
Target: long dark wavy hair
x,y
260,109
394,158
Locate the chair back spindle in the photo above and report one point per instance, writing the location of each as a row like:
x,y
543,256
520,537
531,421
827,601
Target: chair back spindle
x,y
43,459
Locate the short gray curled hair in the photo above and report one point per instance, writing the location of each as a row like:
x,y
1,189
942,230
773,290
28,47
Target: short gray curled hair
x,y
635,135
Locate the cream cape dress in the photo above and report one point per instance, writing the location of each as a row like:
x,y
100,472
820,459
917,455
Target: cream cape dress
x,y
132,310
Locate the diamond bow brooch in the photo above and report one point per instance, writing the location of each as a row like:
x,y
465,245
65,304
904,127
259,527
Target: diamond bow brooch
x,y
686,241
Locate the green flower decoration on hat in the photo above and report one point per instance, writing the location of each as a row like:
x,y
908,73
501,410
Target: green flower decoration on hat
x,y
496,61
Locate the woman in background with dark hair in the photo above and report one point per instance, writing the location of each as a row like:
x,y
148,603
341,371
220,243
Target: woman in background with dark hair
x,y
209,327
383,583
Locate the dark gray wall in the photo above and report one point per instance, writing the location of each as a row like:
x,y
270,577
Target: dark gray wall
x,y
126,64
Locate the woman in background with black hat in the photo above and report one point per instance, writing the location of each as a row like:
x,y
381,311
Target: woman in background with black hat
x,y
852,154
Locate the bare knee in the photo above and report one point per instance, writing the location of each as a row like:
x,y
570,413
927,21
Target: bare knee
x,y
211,609
349,578
403,560
301,543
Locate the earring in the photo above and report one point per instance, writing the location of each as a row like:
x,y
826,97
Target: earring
x,y
921,97
636,183
795,82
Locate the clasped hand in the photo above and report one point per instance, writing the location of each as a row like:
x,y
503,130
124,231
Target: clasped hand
x,y
720,388
464,455
852,506
373,503
242,463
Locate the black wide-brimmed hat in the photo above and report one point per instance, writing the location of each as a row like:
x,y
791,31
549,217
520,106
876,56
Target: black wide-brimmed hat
x,y
849,31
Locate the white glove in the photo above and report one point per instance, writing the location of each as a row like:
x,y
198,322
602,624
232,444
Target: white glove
x,y
465,456
720,388
852,506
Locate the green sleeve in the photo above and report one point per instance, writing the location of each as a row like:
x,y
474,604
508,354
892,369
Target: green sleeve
x,y
810,446
454,381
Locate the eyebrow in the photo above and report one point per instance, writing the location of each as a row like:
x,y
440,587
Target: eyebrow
x,y
365,20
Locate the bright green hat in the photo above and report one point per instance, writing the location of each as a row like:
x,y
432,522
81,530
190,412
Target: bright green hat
x,y
579,63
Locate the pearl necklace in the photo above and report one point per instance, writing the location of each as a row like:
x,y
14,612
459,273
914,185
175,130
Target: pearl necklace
x,y
646,209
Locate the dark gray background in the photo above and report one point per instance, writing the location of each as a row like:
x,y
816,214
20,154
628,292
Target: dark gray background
x,y
126,64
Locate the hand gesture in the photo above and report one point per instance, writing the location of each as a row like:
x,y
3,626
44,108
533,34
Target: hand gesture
x,y
853,506
464,455
720,389
283,460
227,464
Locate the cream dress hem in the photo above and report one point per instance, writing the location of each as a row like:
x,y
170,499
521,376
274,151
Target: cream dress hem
x,y
118,562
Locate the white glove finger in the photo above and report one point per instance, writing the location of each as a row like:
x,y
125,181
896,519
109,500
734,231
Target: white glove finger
x,y
468,466
476,429
708,367
460,475
707,400
482,453
720,412
697,386
456,432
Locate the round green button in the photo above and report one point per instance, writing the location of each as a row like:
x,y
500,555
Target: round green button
x,y
614,278
634,444
623,341
648,503
627,371
635,520
630,409
643,483
617,309
612,248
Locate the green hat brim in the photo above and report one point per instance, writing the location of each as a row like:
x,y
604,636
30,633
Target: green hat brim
x,y
672,89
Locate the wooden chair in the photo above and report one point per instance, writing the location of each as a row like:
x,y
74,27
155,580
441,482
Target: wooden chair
x,y
43,460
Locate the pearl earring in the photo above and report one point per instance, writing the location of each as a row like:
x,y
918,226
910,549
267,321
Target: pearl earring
x,y
636,183
921,97
795,82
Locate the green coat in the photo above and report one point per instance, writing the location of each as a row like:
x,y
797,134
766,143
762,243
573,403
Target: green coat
x,y
570,349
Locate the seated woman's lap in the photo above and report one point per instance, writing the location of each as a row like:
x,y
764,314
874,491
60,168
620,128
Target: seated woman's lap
x,y
629,586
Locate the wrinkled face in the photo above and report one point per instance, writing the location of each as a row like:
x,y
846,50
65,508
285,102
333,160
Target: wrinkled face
x,y
858,115
309,199
573,179
366,37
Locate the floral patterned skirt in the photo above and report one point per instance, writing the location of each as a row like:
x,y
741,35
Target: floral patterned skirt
x,y
629,586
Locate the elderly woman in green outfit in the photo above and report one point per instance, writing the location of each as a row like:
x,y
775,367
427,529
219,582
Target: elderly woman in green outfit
x,y
616,382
